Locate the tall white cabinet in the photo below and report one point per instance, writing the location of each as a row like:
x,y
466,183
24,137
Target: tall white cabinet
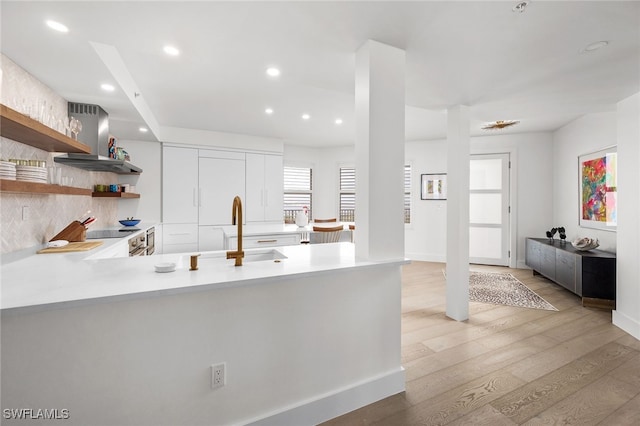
x,y
221,176
179,199
265,186
198,187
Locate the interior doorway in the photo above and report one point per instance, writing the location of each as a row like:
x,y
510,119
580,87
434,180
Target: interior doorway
x,y
489,209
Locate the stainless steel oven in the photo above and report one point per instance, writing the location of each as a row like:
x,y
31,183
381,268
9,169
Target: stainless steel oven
x,y
138,245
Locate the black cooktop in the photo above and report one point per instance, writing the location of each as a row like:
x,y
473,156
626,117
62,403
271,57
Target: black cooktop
x,y
110,233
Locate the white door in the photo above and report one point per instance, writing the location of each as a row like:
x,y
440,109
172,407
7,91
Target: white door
x,y
221,179
489,209
179,185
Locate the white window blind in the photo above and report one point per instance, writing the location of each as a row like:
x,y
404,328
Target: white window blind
x,y
347,194
407,194
297,191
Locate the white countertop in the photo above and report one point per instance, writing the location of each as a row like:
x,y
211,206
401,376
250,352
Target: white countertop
x,y
49,281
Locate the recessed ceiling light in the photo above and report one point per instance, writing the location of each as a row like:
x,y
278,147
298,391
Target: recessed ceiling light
x,y
273,72
143,130
338,121
520,7
594,46
107,87
171,50
268,111
57,26
306,116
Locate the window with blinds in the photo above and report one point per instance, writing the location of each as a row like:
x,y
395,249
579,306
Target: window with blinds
x,y
297,192
407,194
348,194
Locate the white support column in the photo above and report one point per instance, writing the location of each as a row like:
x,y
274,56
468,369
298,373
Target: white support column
x,y
458,156
379,150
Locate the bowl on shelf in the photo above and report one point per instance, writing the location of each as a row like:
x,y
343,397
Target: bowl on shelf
x,y
129,222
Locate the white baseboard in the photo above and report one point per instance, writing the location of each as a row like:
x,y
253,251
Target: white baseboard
x,y
626,323
425,257
337,403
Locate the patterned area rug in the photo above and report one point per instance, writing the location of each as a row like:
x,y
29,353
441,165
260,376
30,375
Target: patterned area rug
x,y
504,289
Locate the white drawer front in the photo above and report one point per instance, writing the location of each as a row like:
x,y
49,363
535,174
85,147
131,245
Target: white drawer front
x,y
264,241
180,248
179,234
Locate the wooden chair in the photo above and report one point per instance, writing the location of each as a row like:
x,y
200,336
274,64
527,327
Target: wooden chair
x,y
333,219
327,234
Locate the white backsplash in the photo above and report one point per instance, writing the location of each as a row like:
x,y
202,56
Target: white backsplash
x,y
48,214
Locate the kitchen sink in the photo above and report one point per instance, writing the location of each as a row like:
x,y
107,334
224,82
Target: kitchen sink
x,y
250,255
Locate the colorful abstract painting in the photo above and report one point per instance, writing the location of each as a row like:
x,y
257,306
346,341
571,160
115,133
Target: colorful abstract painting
x,y
598,183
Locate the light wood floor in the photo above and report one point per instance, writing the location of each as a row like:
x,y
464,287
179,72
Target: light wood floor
x,y
506,365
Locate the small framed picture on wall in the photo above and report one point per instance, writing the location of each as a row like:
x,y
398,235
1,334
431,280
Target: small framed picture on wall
x,y
433,186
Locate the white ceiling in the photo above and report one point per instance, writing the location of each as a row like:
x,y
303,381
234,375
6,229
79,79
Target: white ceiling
x,y
503,64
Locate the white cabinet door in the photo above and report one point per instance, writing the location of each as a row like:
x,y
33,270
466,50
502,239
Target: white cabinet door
x,y
179,238
210,238
264,187
254,206
274,188
221,179
179,185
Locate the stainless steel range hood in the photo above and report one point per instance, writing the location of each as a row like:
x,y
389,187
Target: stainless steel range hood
x,y
95,133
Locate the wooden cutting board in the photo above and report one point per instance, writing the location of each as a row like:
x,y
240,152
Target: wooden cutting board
x,y
83,246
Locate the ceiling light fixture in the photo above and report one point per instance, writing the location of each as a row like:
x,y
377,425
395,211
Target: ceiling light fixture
x,y
143,130
273,72
520,7
268,111
57,26
594,46
107,87
338,121
500,124
171,50
306,116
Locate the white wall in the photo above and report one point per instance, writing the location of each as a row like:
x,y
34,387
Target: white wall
x,y
425,237
215,139
587,134
627,313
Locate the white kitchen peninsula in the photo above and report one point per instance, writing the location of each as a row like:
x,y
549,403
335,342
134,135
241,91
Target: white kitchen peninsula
x,y
305,338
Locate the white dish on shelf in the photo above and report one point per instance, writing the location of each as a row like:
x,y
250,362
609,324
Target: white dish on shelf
x,y
165,267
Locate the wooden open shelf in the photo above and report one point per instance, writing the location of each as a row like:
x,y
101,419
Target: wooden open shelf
x,y
20,128
115,195
40,188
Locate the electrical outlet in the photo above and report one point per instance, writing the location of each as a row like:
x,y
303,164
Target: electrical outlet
x,y
26,214
218,375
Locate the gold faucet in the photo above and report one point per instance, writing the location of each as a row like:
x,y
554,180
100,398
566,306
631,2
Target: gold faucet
x,y
236,218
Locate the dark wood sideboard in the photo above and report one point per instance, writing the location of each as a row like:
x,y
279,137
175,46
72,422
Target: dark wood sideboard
x,y
589,274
